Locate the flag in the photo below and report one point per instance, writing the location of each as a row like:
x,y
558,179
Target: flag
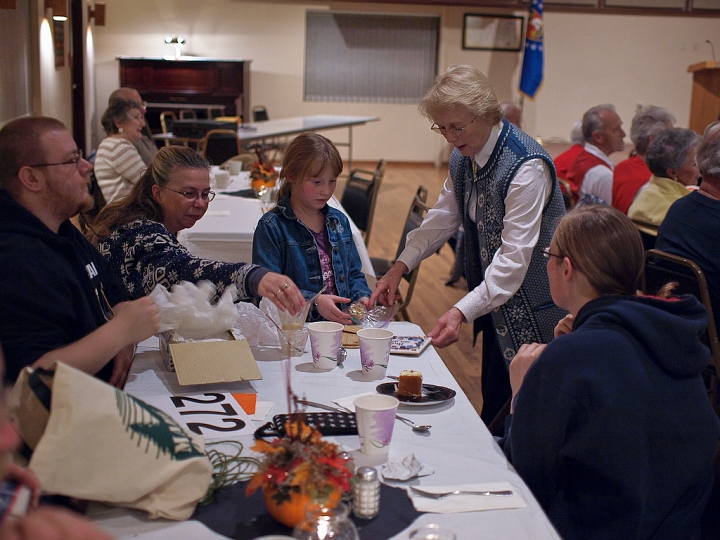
x,y
532,69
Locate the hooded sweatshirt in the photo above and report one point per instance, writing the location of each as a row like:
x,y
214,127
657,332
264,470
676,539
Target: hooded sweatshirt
x,y
613,430
55,288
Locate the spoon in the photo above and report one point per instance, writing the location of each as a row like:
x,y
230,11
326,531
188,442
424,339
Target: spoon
x,y
342,355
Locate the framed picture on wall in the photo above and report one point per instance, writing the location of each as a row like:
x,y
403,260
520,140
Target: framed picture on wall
x,y
492,32
59,42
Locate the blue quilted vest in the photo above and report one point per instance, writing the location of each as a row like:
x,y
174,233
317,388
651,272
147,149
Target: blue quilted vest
x,y
530,315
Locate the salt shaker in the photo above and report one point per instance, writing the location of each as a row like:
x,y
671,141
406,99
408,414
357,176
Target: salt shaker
x,y
366,493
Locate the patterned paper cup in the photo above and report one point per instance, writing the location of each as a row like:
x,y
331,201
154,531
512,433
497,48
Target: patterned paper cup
x,y
374,351
325,341
375,415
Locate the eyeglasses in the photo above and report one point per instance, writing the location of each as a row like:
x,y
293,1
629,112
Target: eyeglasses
x,y
455,131
547,254
193,195
74,161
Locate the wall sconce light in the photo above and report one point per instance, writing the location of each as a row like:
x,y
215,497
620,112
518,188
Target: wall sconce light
x,y
178,42
98,13
8,4
59,9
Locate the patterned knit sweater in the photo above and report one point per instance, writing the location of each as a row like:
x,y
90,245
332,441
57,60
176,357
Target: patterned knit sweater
x,y
530,315
144,254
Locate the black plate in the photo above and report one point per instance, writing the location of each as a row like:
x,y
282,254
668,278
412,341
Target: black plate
x,y
432,394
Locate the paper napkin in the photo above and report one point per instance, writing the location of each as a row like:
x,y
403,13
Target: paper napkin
x,y
454,504
405,469
349,401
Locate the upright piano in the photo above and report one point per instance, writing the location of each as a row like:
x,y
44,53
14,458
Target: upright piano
x,y
210,87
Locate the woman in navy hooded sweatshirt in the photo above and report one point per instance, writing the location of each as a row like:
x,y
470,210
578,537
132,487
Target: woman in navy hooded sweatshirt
x,y
612,428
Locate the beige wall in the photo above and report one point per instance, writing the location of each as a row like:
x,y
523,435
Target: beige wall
x,y
53,93
590,59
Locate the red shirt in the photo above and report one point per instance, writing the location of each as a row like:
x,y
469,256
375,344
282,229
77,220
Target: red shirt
x,y
629,176
582,164
564,161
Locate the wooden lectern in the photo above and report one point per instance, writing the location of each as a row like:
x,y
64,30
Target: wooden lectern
x,y
705,105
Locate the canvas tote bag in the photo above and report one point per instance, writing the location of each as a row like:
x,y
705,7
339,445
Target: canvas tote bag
x,y
94,442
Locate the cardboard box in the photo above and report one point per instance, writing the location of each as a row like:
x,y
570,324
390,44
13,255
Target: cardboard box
x,y
207,362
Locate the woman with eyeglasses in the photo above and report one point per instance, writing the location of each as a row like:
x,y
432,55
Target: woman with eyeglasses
x,y
118,164
503,191
138,235
612,428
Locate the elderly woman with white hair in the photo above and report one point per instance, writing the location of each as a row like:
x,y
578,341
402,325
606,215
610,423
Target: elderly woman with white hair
x,y
502,189
633,173
671,159
691,227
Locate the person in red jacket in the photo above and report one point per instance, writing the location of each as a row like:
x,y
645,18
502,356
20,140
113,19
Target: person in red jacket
x,y
590,175
564,161
633,173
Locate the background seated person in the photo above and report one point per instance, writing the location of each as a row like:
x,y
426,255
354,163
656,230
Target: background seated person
x,y
632,173
305,238
118,164
692,226
591,174
146,145
612,428
671,158
59,301
138,234
39,523
564,161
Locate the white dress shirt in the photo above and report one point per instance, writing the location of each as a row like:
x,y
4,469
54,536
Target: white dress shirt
x,y
527,195
598,179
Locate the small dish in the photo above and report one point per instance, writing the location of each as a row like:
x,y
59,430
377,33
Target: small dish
x,y
409,345
432,394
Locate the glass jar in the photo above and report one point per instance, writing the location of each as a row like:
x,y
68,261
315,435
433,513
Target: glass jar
x,y
323,522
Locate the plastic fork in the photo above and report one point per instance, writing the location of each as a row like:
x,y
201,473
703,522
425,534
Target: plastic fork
x,y
503,493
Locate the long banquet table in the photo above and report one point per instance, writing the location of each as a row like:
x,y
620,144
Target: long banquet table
x,y
458,447
226,231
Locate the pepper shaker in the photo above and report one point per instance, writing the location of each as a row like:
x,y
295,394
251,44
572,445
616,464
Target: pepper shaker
x,y
366,492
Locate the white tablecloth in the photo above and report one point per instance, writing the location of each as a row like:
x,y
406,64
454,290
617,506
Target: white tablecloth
x,y
226,231
458,447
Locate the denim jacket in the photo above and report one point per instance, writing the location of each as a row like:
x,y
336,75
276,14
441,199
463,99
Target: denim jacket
x,y
285,245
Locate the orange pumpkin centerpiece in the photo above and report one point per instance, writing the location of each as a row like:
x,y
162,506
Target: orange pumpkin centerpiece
x,y
298,469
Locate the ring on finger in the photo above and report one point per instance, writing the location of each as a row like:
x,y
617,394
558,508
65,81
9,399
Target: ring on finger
x,y
284,287
279,291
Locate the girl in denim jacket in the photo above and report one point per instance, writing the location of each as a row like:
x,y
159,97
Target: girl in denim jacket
x,y
307,240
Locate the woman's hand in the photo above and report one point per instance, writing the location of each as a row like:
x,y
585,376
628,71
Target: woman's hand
x,y
282,292
565,326
525,357
386,289
447,329
327,307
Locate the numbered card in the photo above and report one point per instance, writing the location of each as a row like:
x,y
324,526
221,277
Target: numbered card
x,y
214,415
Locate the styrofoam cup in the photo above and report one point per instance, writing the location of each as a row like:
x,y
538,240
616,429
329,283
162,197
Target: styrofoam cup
x,y
325,342
374,351
375,416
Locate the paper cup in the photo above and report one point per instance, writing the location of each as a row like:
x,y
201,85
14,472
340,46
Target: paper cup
x,y
375,416
374,351
325,342
234,167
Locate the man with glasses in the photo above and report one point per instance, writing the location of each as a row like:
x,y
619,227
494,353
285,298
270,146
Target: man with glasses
x,y
145,146
502,190
59,302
